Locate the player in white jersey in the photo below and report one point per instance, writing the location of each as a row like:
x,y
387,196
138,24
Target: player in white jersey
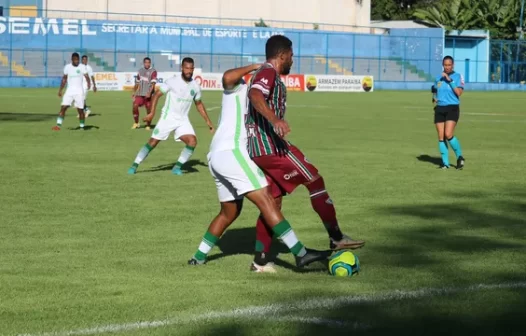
x,y
84,61
181,91
237,176
74,74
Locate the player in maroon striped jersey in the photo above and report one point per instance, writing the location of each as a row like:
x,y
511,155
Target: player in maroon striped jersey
x,y
283,163
142,92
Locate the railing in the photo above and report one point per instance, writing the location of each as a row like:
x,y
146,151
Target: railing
x,y
41,48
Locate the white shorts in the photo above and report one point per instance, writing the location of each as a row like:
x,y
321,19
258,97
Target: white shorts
x,y
86,91
68,99
235,174
165,126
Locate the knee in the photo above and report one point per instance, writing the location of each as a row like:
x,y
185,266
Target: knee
x,y
228,216
192,141
278,201
135,106
449,134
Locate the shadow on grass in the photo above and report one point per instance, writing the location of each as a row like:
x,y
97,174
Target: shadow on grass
x,y
25,117
243,240
437,161
448,238
188,167
86,128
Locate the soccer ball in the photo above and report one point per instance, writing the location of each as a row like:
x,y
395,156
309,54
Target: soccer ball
x,y
344,264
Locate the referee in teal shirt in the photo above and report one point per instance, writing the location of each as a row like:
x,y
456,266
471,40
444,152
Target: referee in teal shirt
x,y
446,91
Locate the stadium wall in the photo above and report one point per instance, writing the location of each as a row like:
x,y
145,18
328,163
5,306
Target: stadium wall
x,y
421,47
44,82
339,12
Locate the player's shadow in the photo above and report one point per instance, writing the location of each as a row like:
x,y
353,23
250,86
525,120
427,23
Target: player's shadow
x,y
11,116
430,159
243,240
86,128
188,167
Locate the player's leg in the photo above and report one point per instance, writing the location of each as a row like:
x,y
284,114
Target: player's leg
x,y
160,133
449,132
137,102
440,124
292,170
262,258
320,199
186,134
223,169
227,215
60,118
82,118
87,110
67,100
282,229
147,106
143,153
79,104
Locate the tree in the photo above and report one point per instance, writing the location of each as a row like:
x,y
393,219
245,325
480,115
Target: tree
x,y
452,15
397,9
261,23
500,17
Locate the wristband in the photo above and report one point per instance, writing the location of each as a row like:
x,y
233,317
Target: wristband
x,y
453,85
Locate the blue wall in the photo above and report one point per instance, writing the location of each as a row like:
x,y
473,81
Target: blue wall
x,y
40,82
474,49
420,47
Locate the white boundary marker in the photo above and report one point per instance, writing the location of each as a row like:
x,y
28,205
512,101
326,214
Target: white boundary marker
x,y
276,311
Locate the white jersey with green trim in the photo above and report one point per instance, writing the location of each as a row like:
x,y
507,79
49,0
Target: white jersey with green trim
x,y
180,95
231,133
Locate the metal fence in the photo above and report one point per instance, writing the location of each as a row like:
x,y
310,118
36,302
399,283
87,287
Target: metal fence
x,y
507,61
41,48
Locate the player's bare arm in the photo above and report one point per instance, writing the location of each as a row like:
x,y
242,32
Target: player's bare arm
x,y
202,111
153,82
158,94
62,85
233,77
458,91
94,84
88,81
257,99
136,86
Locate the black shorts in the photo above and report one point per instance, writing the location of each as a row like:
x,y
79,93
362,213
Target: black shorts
x,y
447,113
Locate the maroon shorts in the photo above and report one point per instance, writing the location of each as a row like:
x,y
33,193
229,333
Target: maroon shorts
x,y
142,101
287,171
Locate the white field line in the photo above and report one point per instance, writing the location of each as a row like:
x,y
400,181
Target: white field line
x,y
277,310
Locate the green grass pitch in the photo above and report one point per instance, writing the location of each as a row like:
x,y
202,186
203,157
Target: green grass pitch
x,y
86,249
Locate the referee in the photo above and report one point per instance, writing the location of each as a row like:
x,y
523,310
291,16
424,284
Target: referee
x,y
447,90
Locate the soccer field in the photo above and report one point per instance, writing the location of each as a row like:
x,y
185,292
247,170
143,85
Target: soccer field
x,y
86,249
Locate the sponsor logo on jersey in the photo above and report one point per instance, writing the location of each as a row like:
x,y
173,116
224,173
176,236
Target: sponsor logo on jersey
x,y
290,175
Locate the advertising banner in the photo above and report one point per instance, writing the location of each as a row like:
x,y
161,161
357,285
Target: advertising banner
x,y
336,83
125,81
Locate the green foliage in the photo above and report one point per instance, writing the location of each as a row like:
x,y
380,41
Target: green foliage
x,y
500,17
397,9
261,23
